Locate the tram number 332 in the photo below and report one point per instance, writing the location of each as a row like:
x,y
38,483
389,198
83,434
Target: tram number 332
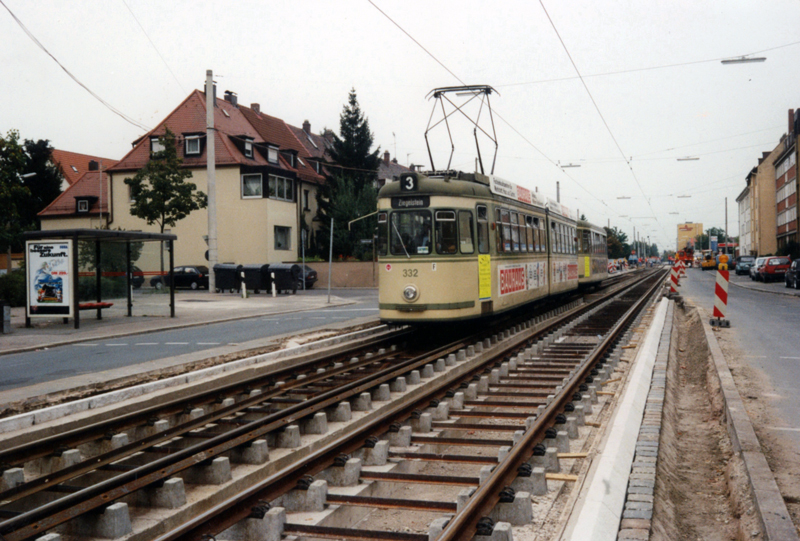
x,y
410,273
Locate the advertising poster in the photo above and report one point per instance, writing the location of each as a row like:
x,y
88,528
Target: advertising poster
x,y
49,279
484,277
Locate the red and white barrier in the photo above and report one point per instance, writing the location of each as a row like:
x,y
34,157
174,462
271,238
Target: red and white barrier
x,y
673,279
682,268
721,299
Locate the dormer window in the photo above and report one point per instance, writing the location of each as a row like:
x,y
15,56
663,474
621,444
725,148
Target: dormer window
x,y
83,205
74,168
155,145
272,154
248,148
192,145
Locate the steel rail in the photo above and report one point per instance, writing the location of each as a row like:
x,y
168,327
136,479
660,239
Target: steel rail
x,y
463,525
238,507
43,447
52,514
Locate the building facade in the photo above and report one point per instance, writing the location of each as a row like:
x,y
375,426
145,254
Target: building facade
x,y
786,187
686,235
762,203
745,222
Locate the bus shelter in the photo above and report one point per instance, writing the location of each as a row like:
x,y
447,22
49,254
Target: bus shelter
x,y
52,270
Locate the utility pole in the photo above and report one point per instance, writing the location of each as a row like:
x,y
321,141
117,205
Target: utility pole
x,y
212,179
726,225
558,191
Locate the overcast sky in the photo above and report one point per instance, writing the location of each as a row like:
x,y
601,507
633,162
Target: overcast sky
x,y
299,59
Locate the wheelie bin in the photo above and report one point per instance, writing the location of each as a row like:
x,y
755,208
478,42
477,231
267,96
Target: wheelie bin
x,y
256,277
286,276
226,277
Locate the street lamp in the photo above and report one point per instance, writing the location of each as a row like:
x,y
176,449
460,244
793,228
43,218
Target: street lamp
x,y
744,60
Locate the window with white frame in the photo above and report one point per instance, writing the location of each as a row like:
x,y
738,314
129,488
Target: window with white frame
x,y
252,186
280,188
272,154
155,145
248,148
83,206
283,236
192,143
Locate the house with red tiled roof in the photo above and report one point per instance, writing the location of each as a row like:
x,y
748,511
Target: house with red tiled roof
x,y
258,168
74,165
277,132
316,145
389,170
84,204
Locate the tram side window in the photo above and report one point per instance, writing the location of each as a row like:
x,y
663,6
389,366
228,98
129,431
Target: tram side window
x,y
523,233
537,242
410,232
506,219
383,237
529,233
573,240
446,232
498,230
483,229
553,238
586,247
603,246
514,231
541,239
465,232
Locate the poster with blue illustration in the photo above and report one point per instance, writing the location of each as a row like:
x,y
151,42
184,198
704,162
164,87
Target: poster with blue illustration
x,y
49,278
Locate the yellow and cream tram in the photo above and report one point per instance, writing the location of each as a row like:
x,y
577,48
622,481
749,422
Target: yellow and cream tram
x,y
456,246
592,255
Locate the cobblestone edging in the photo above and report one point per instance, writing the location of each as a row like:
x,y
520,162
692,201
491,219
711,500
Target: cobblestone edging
x,y
638,512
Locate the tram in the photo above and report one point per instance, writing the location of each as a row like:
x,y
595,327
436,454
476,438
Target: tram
x,y
455,246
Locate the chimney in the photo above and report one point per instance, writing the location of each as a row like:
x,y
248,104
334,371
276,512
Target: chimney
x,y
307,127
231,98
93,165
256,108
386,157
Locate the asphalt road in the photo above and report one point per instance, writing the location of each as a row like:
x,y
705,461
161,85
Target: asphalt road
x,y
23,369
766,328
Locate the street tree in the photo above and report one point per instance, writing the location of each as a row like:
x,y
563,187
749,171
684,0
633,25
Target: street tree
x,y
160,192
44,185
618,246
12,192
702,242
349,193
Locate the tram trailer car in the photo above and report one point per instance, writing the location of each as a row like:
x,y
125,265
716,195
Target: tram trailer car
x,y
457,246
592,255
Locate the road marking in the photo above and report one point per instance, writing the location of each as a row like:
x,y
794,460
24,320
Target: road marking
x,y
208,343
784,428
792,358
85,345
147,343
177,343
318,318
114,345
351,309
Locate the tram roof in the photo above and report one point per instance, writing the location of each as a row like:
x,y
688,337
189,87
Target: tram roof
x,y
473,184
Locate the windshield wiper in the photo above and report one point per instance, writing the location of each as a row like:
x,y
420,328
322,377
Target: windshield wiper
x,y
400,239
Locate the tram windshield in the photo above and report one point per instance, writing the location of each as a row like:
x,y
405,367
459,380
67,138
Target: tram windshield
x,y
410,232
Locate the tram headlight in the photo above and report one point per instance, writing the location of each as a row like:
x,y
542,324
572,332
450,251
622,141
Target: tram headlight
x,y
410,293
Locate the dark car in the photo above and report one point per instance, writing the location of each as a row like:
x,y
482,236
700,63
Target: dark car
x,y
309,275
192,277
774,269
743,264
137,277
792,278
754,269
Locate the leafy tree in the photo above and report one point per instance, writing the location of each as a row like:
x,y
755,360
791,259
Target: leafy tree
x,y
701,242
350,192
44,186
618,246
12,191
160,192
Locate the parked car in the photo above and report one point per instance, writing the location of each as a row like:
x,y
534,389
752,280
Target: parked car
x,y
774,269
309,276
792,278
192,277
754,269
137,277
743,264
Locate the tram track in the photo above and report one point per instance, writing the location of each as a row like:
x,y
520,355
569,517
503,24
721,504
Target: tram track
x,y
260,410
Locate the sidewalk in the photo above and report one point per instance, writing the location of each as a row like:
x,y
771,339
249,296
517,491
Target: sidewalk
x,y
151,314
776,288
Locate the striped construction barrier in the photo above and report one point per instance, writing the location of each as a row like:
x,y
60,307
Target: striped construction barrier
x,y
682,269
673,279
721,299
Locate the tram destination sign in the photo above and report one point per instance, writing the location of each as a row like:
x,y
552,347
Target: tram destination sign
x,y
411,202
514,191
